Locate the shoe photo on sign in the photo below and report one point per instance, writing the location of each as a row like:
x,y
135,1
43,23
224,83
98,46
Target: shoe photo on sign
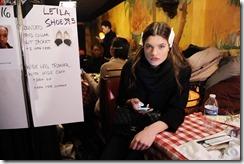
x,y
67,40
59,38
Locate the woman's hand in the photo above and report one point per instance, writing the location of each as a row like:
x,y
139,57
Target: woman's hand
x,y
137,104
143,140
134,102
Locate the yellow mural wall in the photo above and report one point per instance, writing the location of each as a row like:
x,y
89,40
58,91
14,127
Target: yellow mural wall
x,y
221,19
120,21
207,22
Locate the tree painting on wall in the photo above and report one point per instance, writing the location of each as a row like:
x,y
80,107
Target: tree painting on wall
x,y
140,15
170,8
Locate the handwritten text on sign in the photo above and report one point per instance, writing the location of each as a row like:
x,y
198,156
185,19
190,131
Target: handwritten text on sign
x,y
35,39
66,20
5,13
43,74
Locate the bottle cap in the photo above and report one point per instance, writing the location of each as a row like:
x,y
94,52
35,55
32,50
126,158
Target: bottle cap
x,y
212,95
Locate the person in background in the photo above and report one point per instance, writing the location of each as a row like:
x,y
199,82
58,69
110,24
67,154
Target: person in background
x,y
119,51
4,37
158,76
109,36
92,63
83,58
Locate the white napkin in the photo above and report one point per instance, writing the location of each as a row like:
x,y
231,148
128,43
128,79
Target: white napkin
x,y
195,151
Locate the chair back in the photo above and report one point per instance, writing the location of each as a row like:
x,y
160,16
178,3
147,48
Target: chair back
x,y
108,97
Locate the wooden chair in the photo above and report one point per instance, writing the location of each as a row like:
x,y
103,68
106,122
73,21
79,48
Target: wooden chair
x,y
109,88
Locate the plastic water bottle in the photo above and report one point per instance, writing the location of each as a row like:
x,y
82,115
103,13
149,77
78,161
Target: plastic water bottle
x,y
211,106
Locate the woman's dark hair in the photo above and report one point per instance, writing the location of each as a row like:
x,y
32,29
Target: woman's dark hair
x,y
120,47
164,30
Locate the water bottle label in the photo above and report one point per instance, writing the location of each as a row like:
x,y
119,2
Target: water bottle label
x,y
211,110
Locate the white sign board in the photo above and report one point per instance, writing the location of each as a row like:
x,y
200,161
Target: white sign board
x,y
12,102
51,52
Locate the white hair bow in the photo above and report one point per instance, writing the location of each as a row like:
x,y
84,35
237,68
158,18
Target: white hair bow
x,y
171,37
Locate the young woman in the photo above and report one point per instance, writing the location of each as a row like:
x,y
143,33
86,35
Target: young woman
x,y
158,76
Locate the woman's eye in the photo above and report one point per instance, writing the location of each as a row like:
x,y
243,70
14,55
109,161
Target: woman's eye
x,y
161,46
148,46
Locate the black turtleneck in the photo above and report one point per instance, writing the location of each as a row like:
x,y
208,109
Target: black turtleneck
x,y
158,88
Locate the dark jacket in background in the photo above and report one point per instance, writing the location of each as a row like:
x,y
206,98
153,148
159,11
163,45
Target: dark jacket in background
x,y
107,41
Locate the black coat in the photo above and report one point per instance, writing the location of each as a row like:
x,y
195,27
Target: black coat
x,y
157,87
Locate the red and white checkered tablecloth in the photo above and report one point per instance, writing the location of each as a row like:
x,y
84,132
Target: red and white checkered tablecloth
x,y
192,128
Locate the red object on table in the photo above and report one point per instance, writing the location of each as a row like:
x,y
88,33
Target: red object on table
x,y
192,128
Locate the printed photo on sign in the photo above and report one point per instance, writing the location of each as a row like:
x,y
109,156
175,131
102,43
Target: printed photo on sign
x,y
6,37
1,2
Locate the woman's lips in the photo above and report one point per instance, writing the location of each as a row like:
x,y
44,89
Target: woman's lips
x,y
154,59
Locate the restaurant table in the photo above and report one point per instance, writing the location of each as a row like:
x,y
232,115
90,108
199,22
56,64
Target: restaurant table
x,y
193,128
